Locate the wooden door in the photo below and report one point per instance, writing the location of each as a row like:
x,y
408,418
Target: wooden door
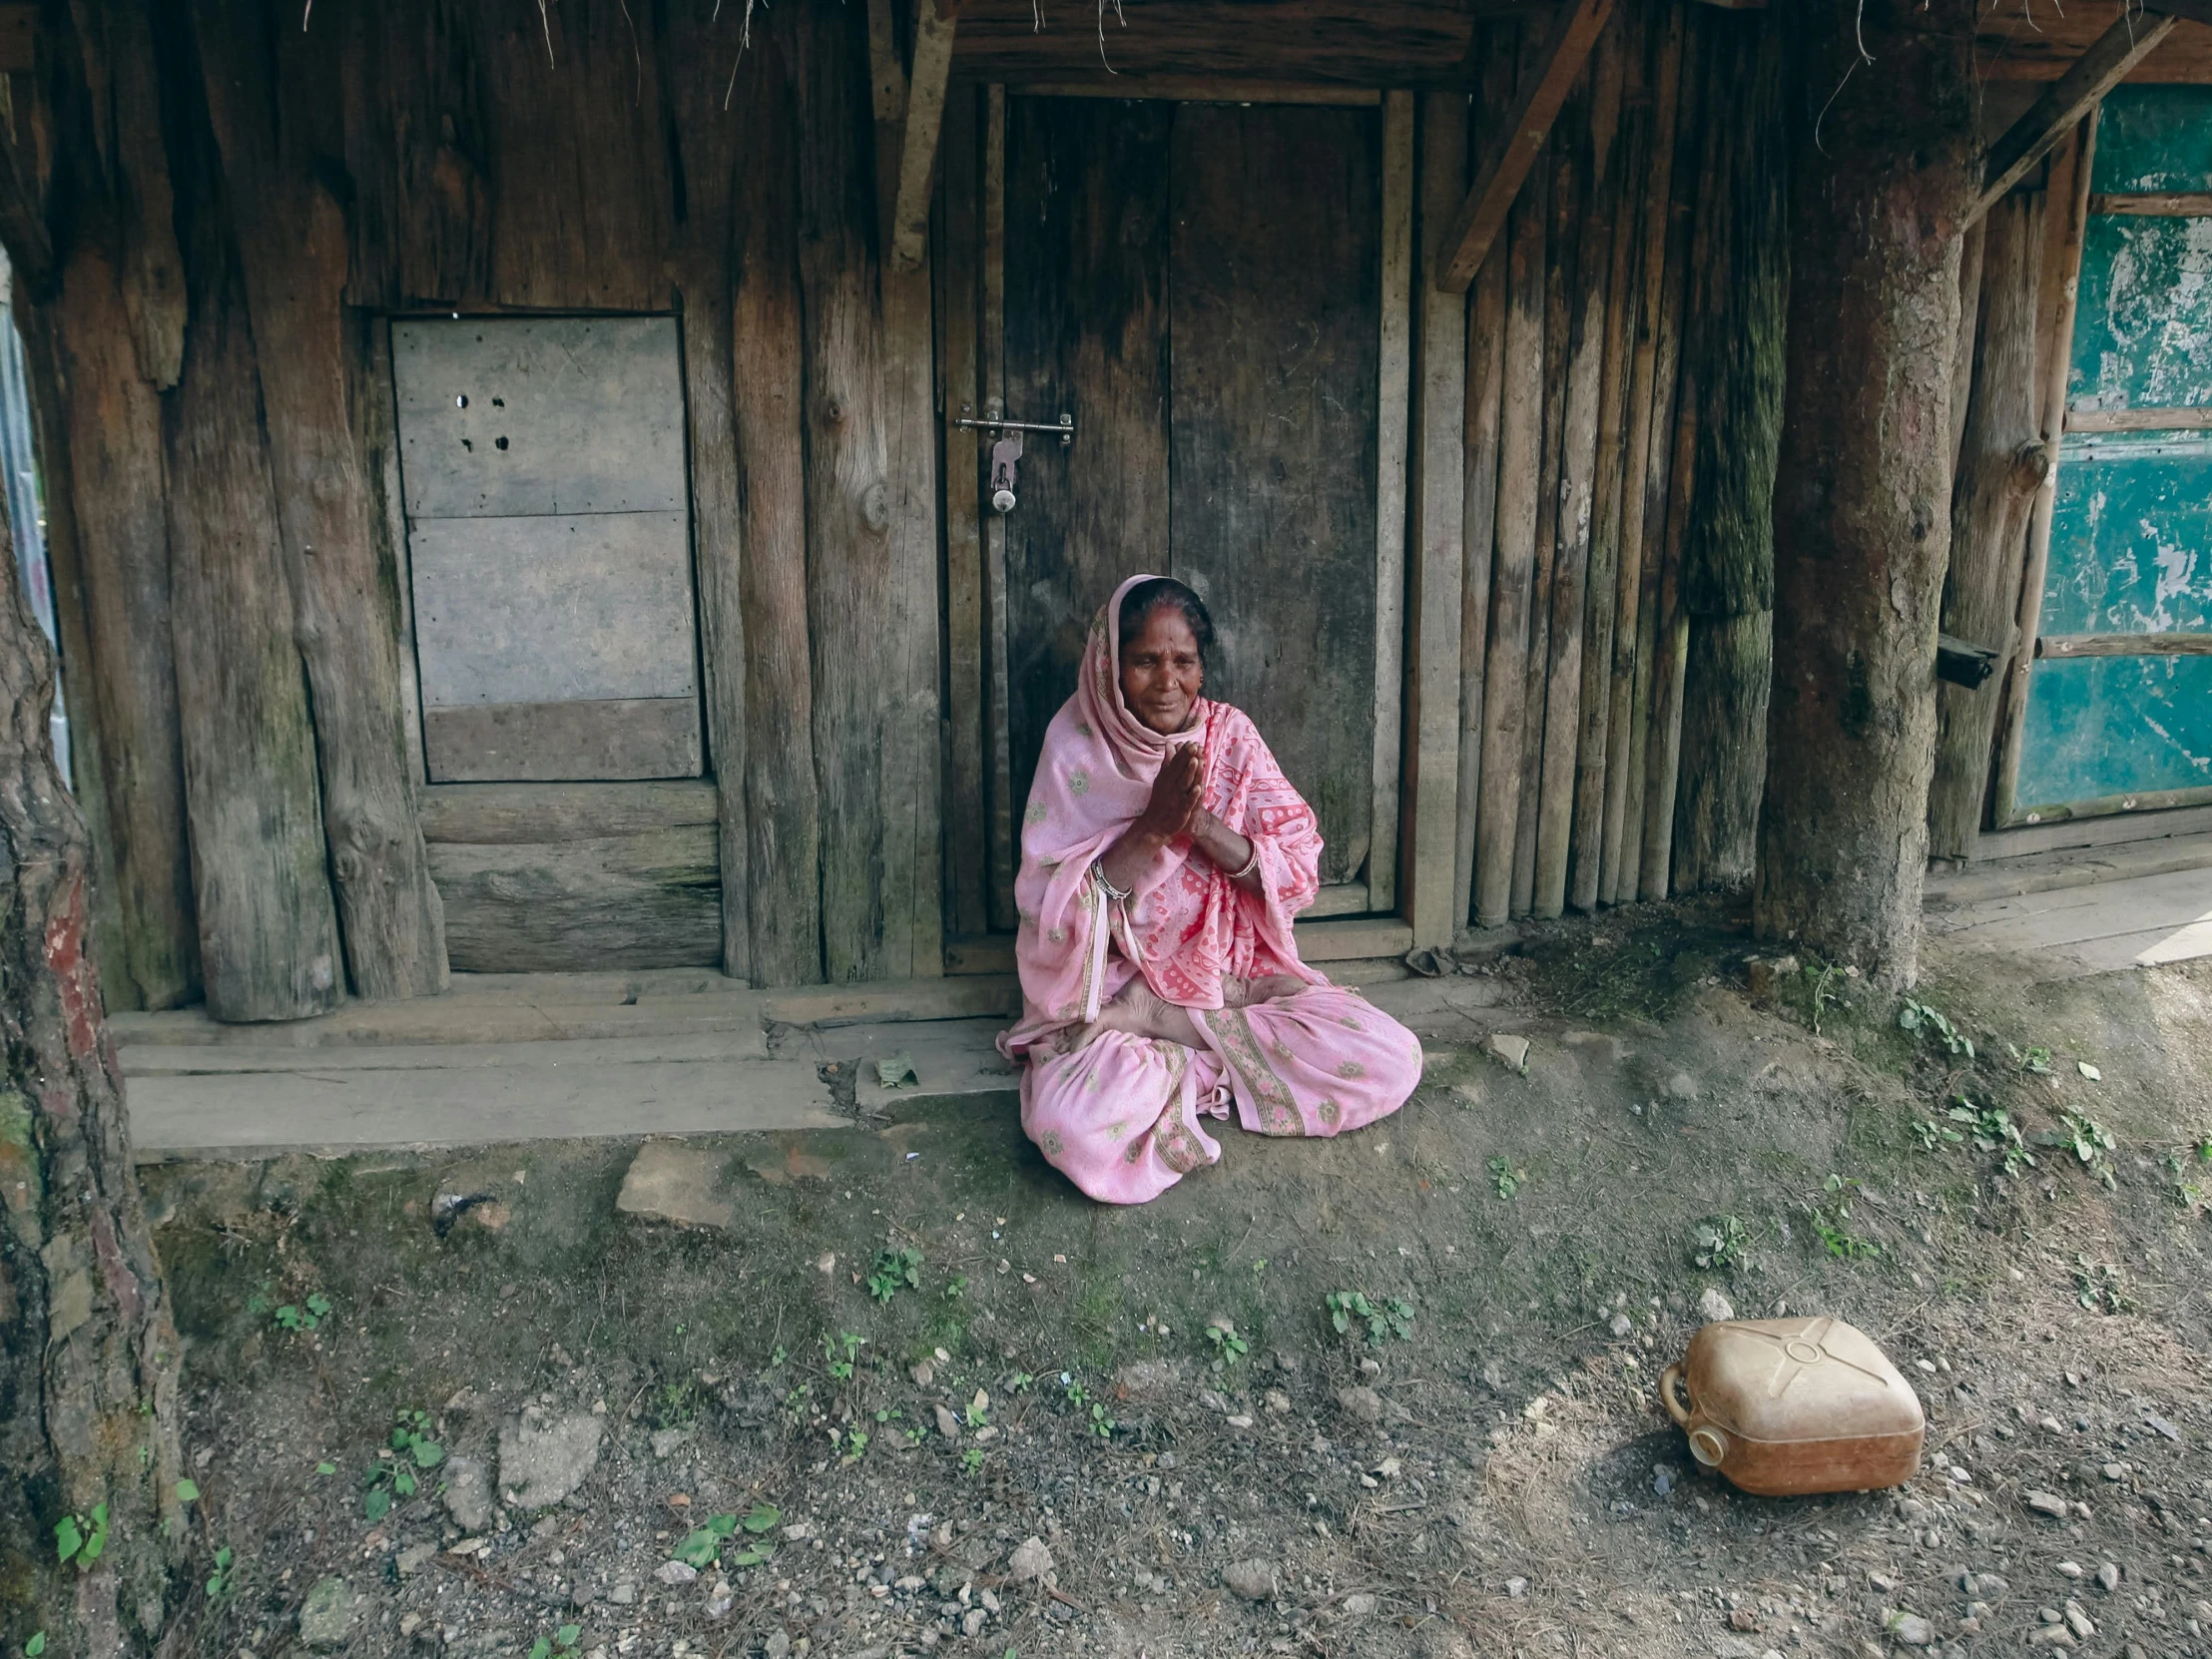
x,y
2118,712
1199,286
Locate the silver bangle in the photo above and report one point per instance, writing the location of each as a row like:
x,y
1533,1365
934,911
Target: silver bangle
x,y
1118,895
1252,863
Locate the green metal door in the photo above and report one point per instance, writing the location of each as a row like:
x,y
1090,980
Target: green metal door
x,y
2118,713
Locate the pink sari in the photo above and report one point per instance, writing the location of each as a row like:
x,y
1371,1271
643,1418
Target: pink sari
x,y
1121,1117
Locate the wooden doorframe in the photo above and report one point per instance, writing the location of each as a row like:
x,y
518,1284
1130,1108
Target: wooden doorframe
x,y
972,378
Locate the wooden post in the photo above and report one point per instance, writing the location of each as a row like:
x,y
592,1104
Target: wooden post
x,y
913,777
1668,474
1863,492
2067,222
106,484
993,360
268,935
1626,192
2131,38
767,382
1438,495
1742,287
1394,423
960,300
851,594
1645,412
1576,503
2002,463
1486,411
1562,245
1519,456
1970,319
272,121
697,81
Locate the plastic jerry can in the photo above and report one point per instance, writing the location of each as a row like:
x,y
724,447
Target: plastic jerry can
x,y
1780,1407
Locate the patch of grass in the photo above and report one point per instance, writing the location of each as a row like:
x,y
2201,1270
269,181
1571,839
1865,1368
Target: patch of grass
x,y
1992,1130
1933,1025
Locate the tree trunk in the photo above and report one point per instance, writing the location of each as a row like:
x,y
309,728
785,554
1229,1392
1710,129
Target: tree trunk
x,y
1863,492
1739,298
88,1355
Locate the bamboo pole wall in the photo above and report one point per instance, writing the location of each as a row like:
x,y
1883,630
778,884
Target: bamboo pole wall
x,y
1593,360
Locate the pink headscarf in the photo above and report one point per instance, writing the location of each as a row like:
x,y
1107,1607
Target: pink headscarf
x,y
1185,924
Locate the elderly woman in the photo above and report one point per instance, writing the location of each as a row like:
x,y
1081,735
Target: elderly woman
x,y
1163,855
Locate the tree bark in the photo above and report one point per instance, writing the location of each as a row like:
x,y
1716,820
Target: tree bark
x,y
1863,490
2001,465
88,1352
1739,298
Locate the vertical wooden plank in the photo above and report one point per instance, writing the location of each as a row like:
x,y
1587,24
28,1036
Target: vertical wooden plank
x,y
998,611
1394,414
2000,470
851,594
767,382
1484,413
1623,291
1437,555
1970,251
694,54
1273,313
1520,449
105,474
378,421
1086,334
268,935
1663,740
1667,438
1741,294
2067,220
1562,245
272,121
1576,504
914,895
1649,408
959,296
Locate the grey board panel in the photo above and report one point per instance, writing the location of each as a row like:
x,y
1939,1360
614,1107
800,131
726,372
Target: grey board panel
x,y
500,418
550,609
491,743
618,901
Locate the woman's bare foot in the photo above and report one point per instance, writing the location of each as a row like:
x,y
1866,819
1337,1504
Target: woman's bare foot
x,y
1139,1012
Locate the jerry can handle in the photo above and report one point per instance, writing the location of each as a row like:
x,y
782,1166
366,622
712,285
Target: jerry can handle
x,y
1670,1381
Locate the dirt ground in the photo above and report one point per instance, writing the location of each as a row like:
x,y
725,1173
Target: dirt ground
x,y
1025,1441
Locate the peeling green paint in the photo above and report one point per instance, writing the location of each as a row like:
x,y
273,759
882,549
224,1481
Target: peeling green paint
x,y
2099,727
2131,537
2154,138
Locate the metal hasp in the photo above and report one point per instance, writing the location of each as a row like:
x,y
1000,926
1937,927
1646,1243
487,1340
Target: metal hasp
x,y
1963,663
1006,452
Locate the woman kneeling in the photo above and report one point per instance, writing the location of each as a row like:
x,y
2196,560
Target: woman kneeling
x,y
1163,858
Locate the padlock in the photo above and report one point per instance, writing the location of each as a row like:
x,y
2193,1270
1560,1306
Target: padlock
x,y
1002,501
1004,453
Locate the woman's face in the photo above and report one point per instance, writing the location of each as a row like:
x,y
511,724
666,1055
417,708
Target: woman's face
x,y
1160,672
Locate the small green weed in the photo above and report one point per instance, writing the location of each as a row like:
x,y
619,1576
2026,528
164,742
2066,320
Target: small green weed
x,y
839,1351
37,1646
1992,1130
702,1545
2092,1144
1383,1317
1932,1023
1099,1423
957,1287
2035,1059
304,1315
563,1640
1933,1135
1505,1178
220,1581
1722,1244
851,1444
972,1461
1831,1224
2099,1288
1228,1346
81,1538
393,1477
894,1270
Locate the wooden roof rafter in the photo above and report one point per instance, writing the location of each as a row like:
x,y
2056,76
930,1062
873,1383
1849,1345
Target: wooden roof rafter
x,y
2131,38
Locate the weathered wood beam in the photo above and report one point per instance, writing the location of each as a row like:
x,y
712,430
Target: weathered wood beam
x,y
917,156
2124,645
1460,251
2196,418
2155,204
2067,100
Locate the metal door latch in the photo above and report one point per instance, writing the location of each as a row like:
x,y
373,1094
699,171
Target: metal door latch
x,y
1006,452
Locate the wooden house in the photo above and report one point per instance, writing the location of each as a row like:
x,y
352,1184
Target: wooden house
x,y
546,486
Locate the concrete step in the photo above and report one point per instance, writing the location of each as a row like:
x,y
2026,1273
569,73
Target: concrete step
x,y
2066,868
